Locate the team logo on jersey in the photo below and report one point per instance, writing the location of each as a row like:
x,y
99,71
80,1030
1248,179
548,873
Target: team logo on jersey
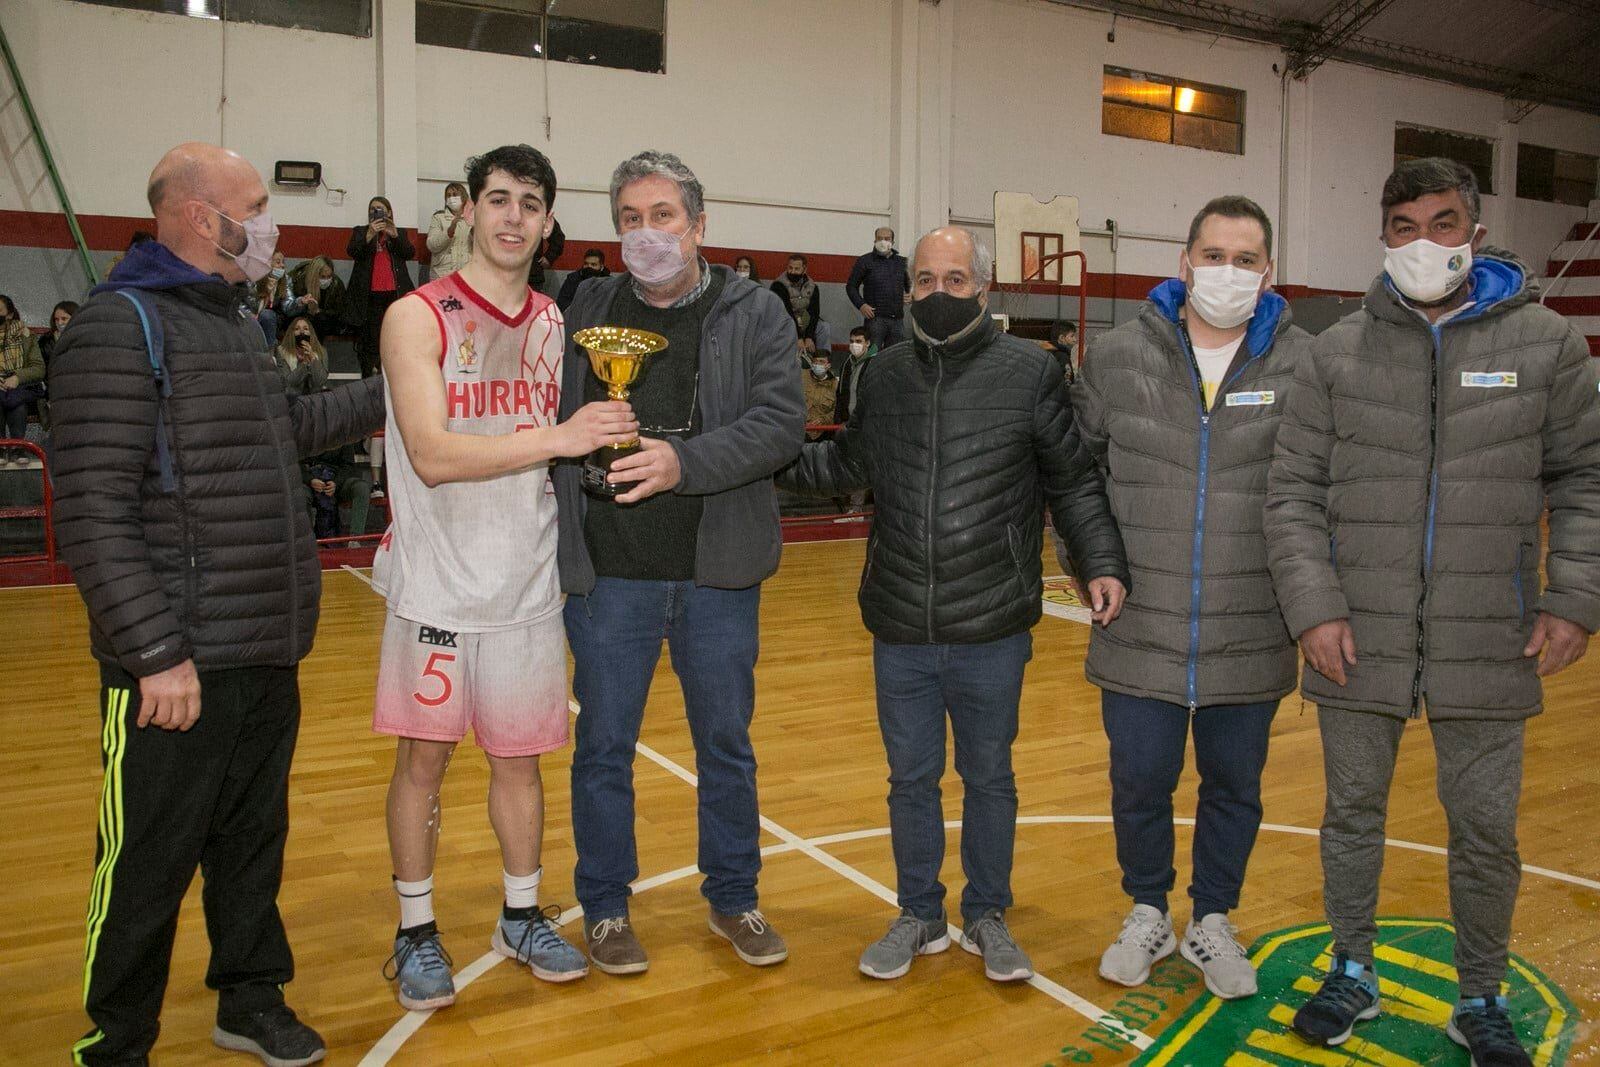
x,y
450,303
467,350
1500,379
427,635
1252,400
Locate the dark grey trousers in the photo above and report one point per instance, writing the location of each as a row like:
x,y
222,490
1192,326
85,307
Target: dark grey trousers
x,y
1479,784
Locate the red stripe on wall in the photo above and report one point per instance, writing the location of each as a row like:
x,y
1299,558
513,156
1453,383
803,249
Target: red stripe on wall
x,y
1574,305
1580,268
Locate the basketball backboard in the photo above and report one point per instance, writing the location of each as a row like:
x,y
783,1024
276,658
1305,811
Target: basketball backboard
x,y
1028,233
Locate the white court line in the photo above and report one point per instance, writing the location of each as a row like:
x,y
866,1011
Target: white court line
x,y
351,570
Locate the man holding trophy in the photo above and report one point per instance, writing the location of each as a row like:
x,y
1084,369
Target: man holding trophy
x,y
671,539
473,635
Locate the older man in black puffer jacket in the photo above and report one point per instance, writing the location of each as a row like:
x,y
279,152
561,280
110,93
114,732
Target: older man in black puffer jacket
x,y
180,510
963,434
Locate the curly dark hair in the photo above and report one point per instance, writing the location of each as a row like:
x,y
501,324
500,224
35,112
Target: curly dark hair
x,y
523,162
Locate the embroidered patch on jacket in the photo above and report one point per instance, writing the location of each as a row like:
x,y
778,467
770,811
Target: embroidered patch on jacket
x,y
1498,379
1252,400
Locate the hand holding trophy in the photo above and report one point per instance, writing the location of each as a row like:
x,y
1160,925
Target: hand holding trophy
x,y
617,356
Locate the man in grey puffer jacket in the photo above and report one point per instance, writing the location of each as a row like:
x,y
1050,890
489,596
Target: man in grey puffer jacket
x,y
1421,444
1181,408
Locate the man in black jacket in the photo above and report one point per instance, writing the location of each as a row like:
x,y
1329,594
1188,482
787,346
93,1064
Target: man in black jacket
x,y
877,288
180,511
952,583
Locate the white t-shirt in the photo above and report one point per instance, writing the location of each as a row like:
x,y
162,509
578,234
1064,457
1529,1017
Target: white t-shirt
x,y
1214,364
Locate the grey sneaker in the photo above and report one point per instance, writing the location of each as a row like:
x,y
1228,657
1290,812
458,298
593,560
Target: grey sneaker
x,y
1003,961
613,947
534,941
909,937
1145,940
1211,946
752,937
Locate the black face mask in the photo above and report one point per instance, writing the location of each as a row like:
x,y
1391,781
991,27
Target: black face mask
x,y
941,316
797,278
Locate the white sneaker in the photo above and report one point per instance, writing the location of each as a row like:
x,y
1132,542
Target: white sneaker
x,y
1146,940
1211,946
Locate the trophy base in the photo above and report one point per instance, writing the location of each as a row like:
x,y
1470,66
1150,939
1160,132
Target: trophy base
x,y
597,465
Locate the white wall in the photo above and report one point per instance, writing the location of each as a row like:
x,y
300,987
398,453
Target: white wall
x,y
114,89
810,122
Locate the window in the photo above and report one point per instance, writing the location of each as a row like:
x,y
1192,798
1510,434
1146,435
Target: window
x,y
1556,176
1474,153
352,17
626,34
1153,107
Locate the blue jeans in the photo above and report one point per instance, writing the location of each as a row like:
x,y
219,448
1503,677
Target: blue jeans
x,y
979,686
1148,738
615,634
884,331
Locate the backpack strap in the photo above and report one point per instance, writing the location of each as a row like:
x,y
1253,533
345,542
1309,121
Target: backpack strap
x,y
155,343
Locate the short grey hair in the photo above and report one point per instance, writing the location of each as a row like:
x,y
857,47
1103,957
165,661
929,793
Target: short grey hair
x,y
665,164
1435,174
982,259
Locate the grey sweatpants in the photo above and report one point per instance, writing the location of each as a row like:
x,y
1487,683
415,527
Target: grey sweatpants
x,y
1479,783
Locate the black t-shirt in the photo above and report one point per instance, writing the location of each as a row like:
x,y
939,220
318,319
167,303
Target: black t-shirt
x,y
654,539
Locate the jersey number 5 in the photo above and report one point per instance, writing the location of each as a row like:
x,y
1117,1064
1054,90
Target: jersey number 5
x,y
432,671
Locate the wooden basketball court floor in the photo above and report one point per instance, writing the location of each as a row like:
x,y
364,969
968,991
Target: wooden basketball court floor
x,y
827,881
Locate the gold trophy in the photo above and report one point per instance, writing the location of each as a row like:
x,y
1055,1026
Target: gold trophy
x,y
617,355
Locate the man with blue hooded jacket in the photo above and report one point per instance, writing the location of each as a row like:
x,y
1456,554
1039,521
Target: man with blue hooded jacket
x,y
1181,408
1426,436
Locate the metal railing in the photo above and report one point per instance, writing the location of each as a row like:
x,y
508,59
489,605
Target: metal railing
x,y
44,510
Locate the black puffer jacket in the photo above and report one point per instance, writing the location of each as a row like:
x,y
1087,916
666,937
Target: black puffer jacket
x,y
962,445
222,569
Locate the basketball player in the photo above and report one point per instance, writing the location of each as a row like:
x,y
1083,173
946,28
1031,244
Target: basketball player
x,y
473,636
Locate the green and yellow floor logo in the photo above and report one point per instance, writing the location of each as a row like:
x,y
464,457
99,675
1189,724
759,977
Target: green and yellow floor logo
x,y
1418,986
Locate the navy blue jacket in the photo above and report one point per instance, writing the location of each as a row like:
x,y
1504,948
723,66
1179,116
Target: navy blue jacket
x,y
880,281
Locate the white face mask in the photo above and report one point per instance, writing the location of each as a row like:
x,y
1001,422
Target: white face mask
x,y
277,272
654,257
1427,272
819,371
1224,296
858,348
883,247
324,282
260,240
743,272
453,203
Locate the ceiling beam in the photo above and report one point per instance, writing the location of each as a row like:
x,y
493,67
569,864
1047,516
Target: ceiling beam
x,y
1336,26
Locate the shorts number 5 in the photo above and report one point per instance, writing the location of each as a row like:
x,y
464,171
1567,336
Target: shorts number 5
x,y
432,671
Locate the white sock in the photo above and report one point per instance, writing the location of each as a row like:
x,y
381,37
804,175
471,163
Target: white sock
x,y
522,890
416,902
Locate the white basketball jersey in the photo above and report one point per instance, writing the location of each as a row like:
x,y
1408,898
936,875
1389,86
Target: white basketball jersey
x,y
479,555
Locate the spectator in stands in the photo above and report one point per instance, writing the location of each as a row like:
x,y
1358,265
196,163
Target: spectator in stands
x,y
594,266
802,299
861,352
877,288
60,315
301,359
745,267
324,298
1064,346
449,235
822,392
334,478
550,250
139,237
21,375
378,277
274,300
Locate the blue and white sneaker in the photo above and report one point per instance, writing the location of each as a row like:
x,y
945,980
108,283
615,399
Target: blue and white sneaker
x,y
420,967
1349,995
534,941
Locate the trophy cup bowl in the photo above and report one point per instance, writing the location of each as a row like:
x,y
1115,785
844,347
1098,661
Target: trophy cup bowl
x,y
617,356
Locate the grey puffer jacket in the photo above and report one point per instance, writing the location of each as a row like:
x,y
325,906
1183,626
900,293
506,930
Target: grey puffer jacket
x,y
220,567
1413,465
754,418
963,446
1200,626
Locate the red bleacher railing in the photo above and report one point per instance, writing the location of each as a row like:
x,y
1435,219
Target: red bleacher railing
x,y
44,510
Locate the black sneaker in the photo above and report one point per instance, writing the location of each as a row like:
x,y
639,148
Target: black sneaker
x,y
1348,995
275,1035
1482,1027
